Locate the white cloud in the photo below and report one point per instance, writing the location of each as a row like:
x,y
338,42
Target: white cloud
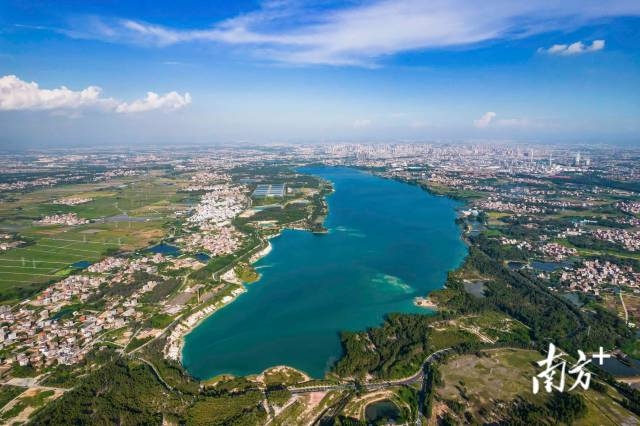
x,y
170,101
485,120
576,48
490,119
16,94
361,123
363,32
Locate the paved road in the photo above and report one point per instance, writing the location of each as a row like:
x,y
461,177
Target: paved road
x,y
157,373
418,376
624,307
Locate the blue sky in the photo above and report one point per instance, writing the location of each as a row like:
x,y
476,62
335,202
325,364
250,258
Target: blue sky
x,y
77,72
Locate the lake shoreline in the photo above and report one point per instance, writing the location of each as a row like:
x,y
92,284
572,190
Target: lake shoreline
x,y
363,232
204,313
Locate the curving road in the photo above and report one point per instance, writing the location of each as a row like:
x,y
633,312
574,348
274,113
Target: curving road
x,y
418,376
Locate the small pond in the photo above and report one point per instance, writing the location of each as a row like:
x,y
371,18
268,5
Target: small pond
x,y
541,265
620,369
382,411
164,248
81,264
514,265
202,257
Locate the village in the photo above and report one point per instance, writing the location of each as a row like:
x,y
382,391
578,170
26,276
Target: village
x,y
55,328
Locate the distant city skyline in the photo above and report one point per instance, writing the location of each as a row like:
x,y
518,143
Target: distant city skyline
x,y
292,71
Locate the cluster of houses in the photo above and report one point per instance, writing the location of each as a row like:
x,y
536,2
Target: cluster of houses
x,y
69,219
553,204
522,245
632,207
501,206
556,251
593,274
219,206
38,339
224,240
74,287
72,201
40,333
26,184
629,240
552,251
8,241
207,181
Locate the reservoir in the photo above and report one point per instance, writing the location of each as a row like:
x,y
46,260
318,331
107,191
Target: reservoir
x,y
388,242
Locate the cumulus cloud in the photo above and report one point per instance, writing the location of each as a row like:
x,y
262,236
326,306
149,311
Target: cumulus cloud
x,y
17,94
490,119
576,48
153,101
361,33
485,120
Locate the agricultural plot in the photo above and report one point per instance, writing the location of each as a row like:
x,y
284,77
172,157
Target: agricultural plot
x,y
56,249
126,215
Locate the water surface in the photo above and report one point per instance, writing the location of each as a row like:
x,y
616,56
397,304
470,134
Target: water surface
x,y
387,243
381,410
164,248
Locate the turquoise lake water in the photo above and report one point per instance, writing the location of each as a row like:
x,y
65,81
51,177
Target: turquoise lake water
x,y
387,243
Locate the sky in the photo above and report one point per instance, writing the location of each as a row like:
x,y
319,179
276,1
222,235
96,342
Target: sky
x,y
127,73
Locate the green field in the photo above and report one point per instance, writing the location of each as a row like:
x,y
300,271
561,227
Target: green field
x,y
56,248
53,249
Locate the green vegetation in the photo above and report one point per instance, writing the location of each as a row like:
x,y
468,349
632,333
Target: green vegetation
x,y
278,376
246,273
567,407
52,249
23,371
456,194
160,321
278,396
16,409
35,401
119,392
369,351
549,317
282,215
136,343
516,311
161,291
8,392
227,409
171,371
494,386
67,376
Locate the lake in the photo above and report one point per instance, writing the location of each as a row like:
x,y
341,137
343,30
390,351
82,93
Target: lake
x,y
387,243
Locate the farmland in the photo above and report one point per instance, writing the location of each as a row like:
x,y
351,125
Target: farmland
x,y
125,215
